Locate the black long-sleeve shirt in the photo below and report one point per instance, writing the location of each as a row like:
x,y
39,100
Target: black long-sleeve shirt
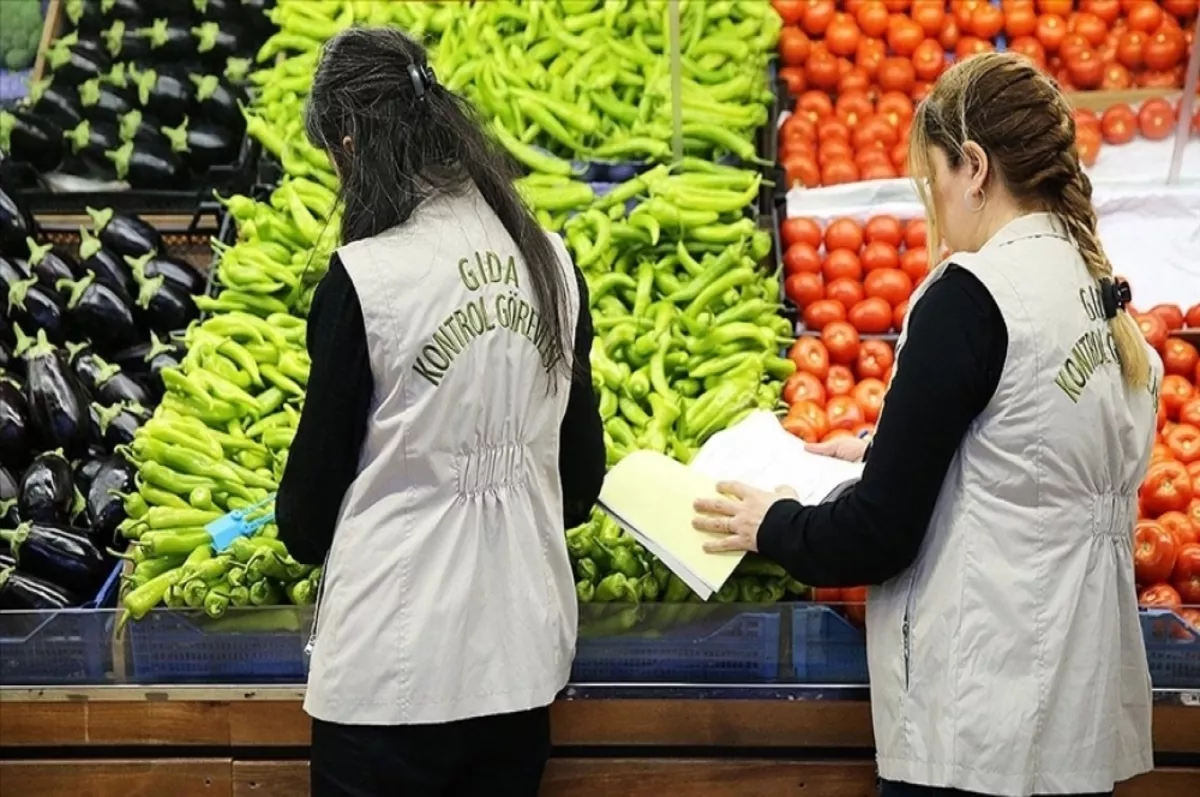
x,y
945,376
323,458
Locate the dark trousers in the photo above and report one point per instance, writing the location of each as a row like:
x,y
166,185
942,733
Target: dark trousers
x,y
500,756
889,788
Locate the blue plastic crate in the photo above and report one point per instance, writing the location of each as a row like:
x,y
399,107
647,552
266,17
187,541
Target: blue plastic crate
x,y
722,645
69,647
826,648
1172,649
246,646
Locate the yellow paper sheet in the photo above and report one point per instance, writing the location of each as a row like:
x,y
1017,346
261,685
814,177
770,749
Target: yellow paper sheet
x,y
651,495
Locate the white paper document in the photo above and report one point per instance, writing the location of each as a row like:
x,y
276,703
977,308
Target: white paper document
x,y
651,495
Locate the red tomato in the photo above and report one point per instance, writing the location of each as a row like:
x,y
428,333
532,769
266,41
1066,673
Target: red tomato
x,y
816,105
842,263
1086,69
915,263
1087,144
1193,470
869,393
986,21
854,107
1186,576
842,35
1192,318
872,18
1175,392
880,255
1191,617
1179,526
841,341
823,312
1116,76
1160,596
886,229
1184,442
1189,412
790,11
1156,119
839,382
1193,513
1130,48
844,233
855,599
1153,553
1164,49
804,288
801,257
875,359
817,16
845,290
904,36
827,594
1051,30
1154,330
1119,124
799,229
914,234
801,170
1167,486
929,60
793,77
872,316
844,413
931,17
794,46
897,74
800,427
811,414
1170,314
803,386
899,313
1179,356
809,355
1180,8
890,284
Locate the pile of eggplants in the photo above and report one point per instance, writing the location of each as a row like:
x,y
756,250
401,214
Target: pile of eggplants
x,y
147,92
85,334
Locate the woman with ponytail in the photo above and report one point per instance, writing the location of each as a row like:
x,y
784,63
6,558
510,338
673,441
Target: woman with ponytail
x,y
449,437
994,519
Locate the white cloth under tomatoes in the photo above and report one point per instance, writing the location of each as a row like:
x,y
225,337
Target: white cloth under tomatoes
x,y
1008,659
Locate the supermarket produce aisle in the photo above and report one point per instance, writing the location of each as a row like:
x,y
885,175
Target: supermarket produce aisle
x,y
238,742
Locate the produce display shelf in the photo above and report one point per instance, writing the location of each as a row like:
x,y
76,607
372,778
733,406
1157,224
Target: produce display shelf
x,y
826,648
59,648
1172,649
726,645
225,179
257,646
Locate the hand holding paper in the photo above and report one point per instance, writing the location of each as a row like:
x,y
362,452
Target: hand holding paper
x,y
738,515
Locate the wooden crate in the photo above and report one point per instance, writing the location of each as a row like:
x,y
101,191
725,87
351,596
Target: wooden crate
x,y
56,20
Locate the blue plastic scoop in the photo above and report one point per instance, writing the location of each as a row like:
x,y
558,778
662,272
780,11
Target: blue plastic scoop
x,y
241,523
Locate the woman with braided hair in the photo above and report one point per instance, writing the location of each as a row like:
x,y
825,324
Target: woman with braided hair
x,y
994,518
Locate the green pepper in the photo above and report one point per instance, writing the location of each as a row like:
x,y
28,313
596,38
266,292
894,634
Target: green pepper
x,y
585,591
186,461
616,587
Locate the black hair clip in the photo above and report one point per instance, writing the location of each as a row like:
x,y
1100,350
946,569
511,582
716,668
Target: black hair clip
x,y
1114,295
422,78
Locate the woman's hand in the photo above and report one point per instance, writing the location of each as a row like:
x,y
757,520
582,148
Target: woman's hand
x,y
738,516
851,449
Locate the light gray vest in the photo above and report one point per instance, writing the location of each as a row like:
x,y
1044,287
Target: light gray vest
x,y
1008,659
448,591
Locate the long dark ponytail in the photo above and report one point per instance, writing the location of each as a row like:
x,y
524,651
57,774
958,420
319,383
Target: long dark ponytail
x,y
412,139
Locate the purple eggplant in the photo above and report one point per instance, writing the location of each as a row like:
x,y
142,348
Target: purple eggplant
x,y
58,402
148,164
102,102
31,139
107,265
126,42
164,94
8,362
169,41
120,422
21,592
56,101
47,489
105,505
140,128
218,42
84,16
126,10
99,313
202,144
32,306
87,143
174,271
11,272
16,227
49,266
10,498
7,560
74,59
166,306
60,554
85,471
105,381
219,101
15,437
149,356
127,236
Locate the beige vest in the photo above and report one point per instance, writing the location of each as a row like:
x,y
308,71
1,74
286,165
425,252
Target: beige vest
x,y
1008,659
448,591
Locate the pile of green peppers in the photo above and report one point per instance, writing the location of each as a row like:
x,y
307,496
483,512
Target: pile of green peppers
x,y
217,443
568,80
